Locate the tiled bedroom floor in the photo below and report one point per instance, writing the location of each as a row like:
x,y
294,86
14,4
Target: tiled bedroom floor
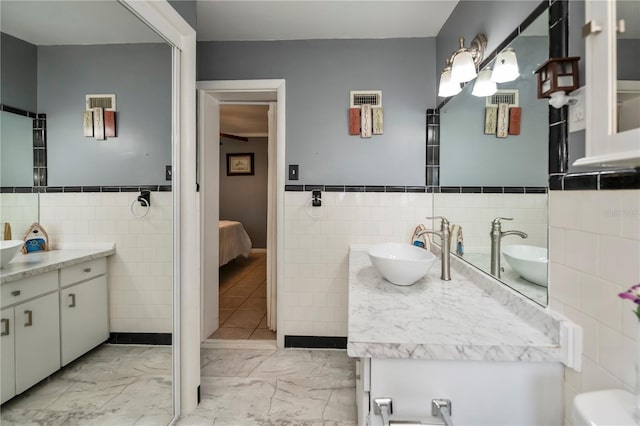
x,y
243,300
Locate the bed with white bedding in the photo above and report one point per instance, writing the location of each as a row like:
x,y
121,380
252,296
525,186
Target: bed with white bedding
x,y
234,241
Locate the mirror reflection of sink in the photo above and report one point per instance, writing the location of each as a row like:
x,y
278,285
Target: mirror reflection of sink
x,y
8,250
529,261
401,264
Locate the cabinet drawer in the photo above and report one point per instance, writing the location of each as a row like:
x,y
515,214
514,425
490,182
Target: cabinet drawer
x,y
27,288
82,271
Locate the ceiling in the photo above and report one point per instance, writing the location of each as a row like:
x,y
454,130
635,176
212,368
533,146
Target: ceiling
x,y
59,22
244,120
73,22
309,19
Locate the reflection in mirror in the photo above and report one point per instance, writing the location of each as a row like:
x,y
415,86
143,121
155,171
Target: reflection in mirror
x,y
91,186
16,149
628,72
494,176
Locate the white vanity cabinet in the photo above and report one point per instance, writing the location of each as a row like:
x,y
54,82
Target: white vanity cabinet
x,y
7,355
37,340
30,332
54,310
84,321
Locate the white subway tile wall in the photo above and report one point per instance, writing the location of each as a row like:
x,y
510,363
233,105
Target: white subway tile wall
x,y
20,211
317,250
140,293
594,255
476,211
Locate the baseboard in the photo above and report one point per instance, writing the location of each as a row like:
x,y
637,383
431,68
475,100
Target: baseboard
x,y
315,342
140,339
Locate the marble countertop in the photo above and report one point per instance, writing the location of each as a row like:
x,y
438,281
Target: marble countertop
x,y
467,318
26,265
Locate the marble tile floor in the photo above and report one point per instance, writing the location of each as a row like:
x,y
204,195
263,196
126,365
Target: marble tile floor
x,y
278,387
243,300
111,385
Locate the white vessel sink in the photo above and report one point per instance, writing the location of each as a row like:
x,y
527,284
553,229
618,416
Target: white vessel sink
x,y
401,264
8,249
528,261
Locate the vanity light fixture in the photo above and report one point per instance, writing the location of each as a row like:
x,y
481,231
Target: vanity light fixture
x,y
557,77
465,60
505,68
483,85
447,87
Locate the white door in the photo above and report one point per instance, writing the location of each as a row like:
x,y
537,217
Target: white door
x,y
7,355
84,321
209,143
37,326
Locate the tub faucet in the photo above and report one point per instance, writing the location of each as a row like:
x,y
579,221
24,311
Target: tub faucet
x,y
496,237
445,272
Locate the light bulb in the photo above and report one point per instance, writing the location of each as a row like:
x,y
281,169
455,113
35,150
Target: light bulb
x,y
447,87
506,67
463,68
483,85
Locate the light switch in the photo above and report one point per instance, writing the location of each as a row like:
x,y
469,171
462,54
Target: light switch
x,y
293,172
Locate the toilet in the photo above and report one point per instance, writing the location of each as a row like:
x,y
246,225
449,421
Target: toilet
x,y
606,407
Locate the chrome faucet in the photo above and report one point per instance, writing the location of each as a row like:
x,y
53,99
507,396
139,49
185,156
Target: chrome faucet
x,y
496,237
445,243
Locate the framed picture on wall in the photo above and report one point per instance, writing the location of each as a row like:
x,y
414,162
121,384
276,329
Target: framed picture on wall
x,y
240,164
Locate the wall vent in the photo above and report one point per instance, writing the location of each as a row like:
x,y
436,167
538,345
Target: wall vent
x,y
366,97
510,97
107,102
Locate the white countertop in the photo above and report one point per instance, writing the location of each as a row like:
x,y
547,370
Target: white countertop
x,y
26,265
447,320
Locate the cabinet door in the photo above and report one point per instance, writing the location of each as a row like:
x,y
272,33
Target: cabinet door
x,y
7,355
37,329
84,317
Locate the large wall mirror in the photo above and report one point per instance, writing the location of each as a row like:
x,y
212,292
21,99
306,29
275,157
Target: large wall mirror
x,y
484,177
54,53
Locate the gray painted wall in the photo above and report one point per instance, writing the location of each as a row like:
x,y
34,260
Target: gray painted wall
x,y
140,76
18,77
468,157
319,75
244,198
186,9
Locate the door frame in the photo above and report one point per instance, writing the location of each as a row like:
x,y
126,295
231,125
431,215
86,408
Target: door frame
x,y
238,91
167,22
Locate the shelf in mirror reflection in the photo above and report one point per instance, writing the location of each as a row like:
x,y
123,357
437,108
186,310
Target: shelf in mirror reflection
x,y
481,260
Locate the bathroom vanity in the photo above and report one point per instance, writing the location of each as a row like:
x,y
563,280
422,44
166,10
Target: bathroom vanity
x,y
496,355
54,309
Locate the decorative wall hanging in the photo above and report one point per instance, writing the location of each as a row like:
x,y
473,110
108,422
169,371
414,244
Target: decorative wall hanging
x,y
490,120
514,120
99,117
36,239
240,164
503,121
366,113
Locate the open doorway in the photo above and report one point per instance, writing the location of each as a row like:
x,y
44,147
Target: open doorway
x,y
244,277
244,166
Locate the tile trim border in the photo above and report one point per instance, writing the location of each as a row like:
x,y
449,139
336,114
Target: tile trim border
x,y
160,339
420,189
594,181
315,342
76,189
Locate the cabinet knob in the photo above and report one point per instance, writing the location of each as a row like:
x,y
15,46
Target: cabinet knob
x,y
29,315
5,327
15,293
86,270
591,27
